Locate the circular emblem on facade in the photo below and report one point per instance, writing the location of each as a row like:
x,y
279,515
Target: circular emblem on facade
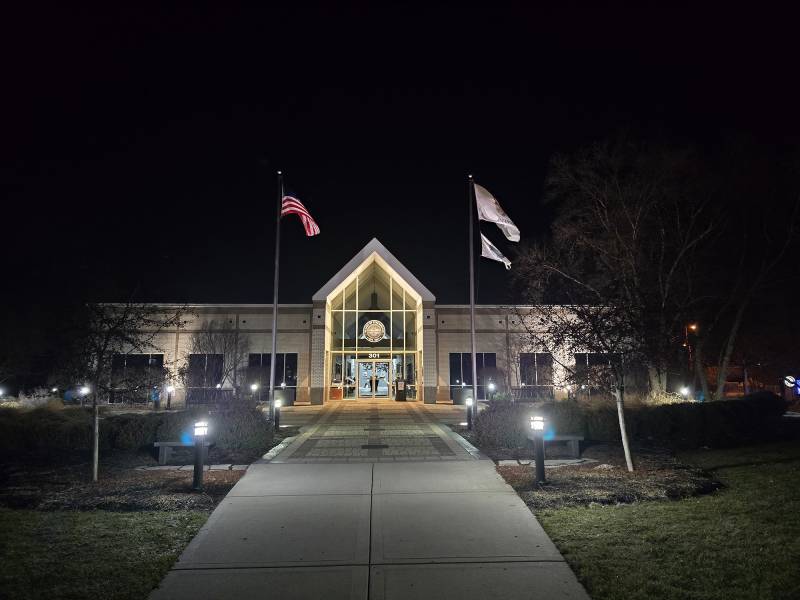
x,y
374,331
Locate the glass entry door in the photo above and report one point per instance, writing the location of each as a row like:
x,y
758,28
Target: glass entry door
x,y
373,379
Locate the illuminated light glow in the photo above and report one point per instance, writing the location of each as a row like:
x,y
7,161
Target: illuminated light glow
x,y
54,390
170,388
789,380
283,384
464,424
219,385
85,390
685,391
693,326
537,423
491,386
201,428
253,387
469,401
278,403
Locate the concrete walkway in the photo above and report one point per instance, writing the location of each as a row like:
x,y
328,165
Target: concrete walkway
x,y
374,501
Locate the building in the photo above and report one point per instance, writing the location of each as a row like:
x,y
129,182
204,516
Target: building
x,y
371,328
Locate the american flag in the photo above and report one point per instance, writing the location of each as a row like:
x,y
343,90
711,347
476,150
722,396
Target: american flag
x,y
293,206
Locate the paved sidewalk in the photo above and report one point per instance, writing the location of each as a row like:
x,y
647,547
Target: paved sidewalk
x,y
436,523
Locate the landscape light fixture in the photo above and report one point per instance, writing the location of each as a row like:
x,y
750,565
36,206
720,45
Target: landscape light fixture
x,y
85,390
54,390
685,391
200,432
537,426
170,389
468,402
278,404
491,386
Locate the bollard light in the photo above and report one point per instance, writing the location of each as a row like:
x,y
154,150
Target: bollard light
x,y
469,404
200,431
685,391
170,389
253,387
85,390
278,403
219,386
537,425
491,386
54,390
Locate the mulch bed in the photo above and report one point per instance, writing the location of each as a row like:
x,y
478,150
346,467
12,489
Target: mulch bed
x,y
658,476
121,487
65,483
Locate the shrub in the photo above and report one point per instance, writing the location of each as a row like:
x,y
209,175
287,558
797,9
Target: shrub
x,y
675,425
502,425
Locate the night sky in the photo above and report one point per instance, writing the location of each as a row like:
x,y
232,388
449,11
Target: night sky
x,y
140,143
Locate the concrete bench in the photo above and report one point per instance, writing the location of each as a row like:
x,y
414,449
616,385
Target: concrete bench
x,y
165,449
573,442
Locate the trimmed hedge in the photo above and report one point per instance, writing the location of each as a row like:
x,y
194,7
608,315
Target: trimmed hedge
x,y
683,425
43,432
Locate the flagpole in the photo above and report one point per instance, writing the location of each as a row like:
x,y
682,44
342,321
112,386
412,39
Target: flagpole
x,y
275,299
470,205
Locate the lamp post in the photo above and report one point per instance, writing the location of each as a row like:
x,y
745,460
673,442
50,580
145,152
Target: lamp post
x,y
84,391
170,389
200,431
278,404
469,403
537,425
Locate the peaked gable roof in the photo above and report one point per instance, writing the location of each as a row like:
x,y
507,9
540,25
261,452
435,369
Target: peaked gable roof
x,y
373,247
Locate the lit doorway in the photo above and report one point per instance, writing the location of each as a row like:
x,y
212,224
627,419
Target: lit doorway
x,y
373,379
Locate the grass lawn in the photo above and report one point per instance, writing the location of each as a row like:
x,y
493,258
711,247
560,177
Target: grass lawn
x,y
742,541
94,554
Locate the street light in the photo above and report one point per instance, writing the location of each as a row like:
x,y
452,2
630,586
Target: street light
x,y
200,432
469,413
537,426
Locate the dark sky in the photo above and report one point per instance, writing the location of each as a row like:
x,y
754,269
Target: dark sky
x,y
140,142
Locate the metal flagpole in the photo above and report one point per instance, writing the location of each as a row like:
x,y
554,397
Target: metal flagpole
x,y
275,300
471,203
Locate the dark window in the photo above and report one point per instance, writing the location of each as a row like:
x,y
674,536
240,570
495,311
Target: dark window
x,y
133,376
205,370
285,369
536,368
461,369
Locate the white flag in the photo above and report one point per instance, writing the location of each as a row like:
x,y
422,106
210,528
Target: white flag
x,y
489,250
489,210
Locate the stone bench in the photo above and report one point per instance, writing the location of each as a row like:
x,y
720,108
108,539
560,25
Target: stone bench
x,y
165,449
573,442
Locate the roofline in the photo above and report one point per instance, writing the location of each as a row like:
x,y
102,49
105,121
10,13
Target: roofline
x,y
373,247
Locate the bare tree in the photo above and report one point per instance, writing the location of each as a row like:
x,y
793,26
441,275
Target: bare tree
x,y
103,331
221,338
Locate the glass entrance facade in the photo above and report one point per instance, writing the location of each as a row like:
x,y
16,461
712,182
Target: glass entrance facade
x,y
373,323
